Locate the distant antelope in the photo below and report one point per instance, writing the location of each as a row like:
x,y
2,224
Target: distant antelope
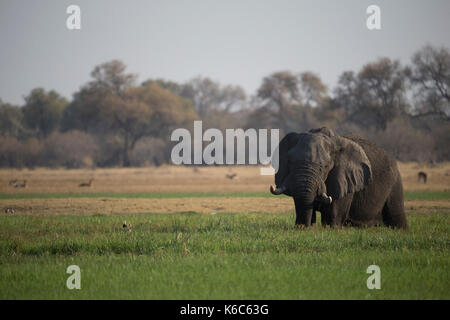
x,y
21,185
13,183
9,210
87,184
422,176
231,176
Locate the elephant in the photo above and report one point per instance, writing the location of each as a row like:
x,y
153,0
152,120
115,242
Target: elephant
x,y
350,180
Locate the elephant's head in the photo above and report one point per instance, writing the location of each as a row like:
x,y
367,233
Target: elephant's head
x,y
319,166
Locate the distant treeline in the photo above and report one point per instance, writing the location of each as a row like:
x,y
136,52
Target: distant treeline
x,y
113,121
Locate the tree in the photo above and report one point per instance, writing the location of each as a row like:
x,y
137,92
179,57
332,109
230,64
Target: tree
x,y
287,100
43,111
216,104
312,90
172,86
168,110
83,112
375,95
278,93
232,98
209,96
128,118
143,111
108,79
113,108
430,76
348,97
10,120
111,77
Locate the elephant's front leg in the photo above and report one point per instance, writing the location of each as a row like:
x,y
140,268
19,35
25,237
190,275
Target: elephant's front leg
x,y
337,213
328,213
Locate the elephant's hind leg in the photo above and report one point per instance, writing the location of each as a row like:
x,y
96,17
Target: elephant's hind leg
x,y
393,211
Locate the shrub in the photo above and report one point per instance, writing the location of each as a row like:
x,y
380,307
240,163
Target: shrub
x,y
149,151
73,149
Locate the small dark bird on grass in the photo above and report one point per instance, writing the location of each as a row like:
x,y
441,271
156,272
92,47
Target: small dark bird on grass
x,y
126,226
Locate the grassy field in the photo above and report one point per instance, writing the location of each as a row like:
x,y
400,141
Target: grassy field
x,y
215,239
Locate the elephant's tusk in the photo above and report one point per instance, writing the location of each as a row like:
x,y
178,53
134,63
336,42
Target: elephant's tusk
x,y
325,199
277,191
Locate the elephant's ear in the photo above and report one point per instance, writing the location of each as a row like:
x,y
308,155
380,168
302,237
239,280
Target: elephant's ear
x,y
352,170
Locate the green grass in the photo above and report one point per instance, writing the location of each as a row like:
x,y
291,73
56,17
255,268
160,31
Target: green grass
x,y
222,256
409,195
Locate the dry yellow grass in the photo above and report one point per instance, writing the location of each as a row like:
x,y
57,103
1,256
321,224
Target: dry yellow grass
x,y
181,179
184,179
132,180
438,176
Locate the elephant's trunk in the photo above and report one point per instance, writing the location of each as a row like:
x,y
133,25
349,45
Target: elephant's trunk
x,y
306,181
304,204
303,214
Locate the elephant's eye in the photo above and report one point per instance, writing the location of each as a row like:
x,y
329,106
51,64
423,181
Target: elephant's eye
x,y
326,166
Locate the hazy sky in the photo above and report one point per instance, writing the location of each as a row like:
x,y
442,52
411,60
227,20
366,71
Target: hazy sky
x,y
236,42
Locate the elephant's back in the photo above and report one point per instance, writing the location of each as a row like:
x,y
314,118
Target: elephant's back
x,y
373,151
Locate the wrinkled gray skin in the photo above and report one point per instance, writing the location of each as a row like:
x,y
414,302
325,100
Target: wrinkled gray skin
x,y
351,181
